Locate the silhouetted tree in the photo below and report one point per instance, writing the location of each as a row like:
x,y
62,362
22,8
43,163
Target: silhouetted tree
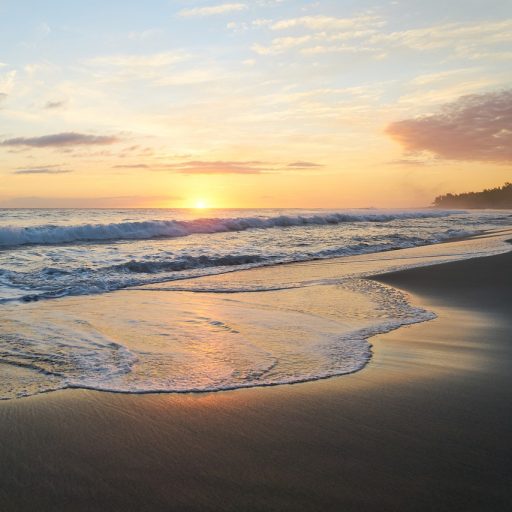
x,y
499,197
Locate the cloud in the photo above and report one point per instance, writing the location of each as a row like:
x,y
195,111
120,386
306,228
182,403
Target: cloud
x,y
54,104
223,167
304,165
321,30
464,38
368,33
475,127
281,44
61,140
441,76
219,167
408,162
323,49
86,202
212,10
131,166
42,170
328,22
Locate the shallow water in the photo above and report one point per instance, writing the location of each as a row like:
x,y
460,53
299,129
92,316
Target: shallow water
x,y
264,326
146,341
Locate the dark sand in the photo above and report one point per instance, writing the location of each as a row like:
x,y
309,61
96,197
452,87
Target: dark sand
x,y
426,426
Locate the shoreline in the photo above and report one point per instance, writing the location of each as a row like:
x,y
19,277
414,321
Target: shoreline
x,y
424,425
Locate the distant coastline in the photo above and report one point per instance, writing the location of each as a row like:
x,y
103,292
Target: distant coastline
x,y
495,198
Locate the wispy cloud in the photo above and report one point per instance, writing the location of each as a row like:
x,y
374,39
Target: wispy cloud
x,y
343,48
42,170
329,22
281,44
131,166
441,76
61,140
324,34
475,127
464,38
219,167
223,167
202,167
86,202
408,162
303,165
212,10
313,35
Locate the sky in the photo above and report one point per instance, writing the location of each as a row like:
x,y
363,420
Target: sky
x,y
264,103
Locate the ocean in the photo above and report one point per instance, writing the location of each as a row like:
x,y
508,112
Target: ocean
x,y
149,301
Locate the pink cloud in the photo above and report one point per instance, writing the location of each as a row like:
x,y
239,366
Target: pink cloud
x,y
475,127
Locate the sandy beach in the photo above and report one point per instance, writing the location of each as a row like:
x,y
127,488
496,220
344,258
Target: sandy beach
x,y
426,425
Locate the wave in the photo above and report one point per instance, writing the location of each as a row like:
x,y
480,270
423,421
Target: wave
x,y
187,263
50,234
72,351
50,282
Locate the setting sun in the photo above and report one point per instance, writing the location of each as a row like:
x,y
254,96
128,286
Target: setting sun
x,y
200,204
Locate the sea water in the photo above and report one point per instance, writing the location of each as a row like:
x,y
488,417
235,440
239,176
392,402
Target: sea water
x,y
149,300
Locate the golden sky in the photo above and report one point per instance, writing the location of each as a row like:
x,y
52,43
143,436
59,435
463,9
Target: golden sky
x,y
268,103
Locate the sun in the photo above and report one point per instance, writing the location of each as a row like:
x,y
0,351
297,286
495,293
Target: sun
x,y
200,204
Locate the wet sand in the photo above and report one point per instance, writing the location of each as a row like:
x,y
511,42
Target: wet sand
x,y
425,426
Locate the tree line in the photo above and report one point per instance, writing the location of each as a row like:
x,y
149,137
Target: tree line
x,y
499,197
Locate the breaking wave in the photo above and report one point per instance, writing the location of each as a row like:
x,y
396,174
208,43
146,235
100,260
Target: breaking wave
x,y
50,234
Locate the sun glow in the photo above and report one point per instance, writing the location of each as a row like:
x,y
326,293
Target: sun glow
x,y
200,204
